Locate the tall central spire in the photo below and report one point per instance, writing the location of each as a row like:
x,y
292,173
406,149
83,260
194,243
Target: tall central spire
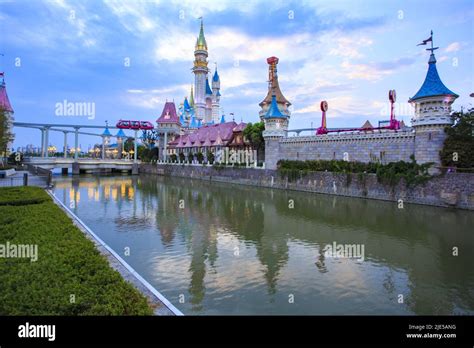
x,y
201,43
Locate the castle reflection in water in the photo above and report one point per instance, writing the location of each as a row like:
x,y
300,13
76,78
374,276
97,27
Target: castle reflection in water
x,y
238,250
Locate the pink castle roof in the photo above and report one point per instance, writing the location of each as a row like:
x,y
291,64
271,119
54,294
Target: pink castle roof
x,y
221,132
169,114
240,127
4,101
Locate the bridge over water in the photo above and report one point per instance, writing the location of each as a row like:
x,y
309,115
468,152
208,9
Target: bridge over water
x,y
75,163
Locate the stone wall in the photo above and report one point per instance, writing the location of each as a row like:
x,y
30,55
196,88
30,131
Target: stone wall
x,y
366,147
449,190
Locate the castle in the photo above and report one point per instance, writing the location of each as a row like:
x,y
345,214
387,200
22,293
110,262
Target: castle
x,y
196,125
424,139
203,105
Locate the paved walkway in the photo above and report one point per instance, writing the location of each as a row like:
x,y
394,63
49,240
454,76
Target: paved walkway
x,y
17,180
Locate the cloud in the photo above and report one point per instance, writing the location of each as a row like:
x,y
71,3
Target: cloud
x,y
135,16
155,98
349,47
375,71
453,47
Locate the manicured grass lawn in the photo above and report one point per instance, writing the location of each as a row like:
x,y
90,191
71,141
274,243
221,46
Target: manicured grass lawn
x,y
68,264
22,195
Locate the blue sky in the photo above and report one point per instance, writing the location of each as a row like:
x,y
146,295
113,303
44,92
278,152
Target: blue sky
x,y
349,53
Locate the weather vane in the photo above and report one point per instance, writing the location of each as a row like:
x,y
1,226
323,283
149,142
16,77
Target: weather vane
x,y
430,39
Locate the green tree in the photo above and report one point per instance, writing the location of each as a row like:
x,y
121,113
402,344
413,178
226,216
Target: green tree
x,y
253,133
149,137
210,157
6,135
458,149
200,157
128,144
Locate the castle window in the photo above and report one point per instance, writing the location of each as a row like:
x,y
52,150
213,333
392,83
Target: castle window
x,y
429,136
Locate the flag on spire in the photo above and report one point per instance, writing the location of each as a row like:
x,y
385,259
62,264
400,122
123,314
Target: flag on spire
x,y
424,42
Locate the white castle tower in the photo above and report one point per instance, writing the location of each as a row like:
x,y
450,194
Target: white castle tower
x,y
206,99
200,71
216,96
432,105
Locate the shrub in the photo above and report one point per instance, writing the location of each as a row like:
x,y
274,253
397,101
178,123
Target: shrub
x,y
391,173
67,263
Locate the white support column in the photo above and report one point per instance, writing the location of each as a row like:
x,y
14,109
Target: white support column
x,y
46,141
65,144
42,142
103,148
76,144
135,147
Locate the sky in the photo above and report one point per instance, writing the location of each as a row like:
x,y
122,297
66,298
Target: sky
x,y
127,58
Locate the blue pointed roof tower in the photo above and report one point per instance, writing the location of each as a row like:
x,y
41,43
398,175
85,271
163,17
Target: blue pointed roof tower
x,y
121,134
222,118
432,86
208,88
186,105
273,111
215,78
106,132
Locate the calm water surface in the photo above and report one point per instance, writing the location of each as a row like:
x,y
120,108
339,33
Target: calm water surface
x,y
230,249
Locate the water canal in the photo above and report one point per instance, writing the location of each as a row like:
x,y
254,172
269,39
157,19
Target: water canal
x,y
215,248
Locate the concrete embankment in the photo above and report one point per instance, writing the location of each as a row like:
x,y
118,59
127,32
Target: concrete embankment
x,y
449,190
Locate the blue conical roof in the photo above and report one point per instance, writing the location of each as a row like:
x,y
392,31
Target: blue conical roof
x,y
208,88
106,132
273,111
121,134
186,104
433,86
222,118
215,78
199,124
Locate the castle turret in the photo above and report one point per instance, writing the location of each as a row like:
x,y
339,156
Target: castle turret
x,y
432,113
168,127
200,71
274,88
216,95
276,127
